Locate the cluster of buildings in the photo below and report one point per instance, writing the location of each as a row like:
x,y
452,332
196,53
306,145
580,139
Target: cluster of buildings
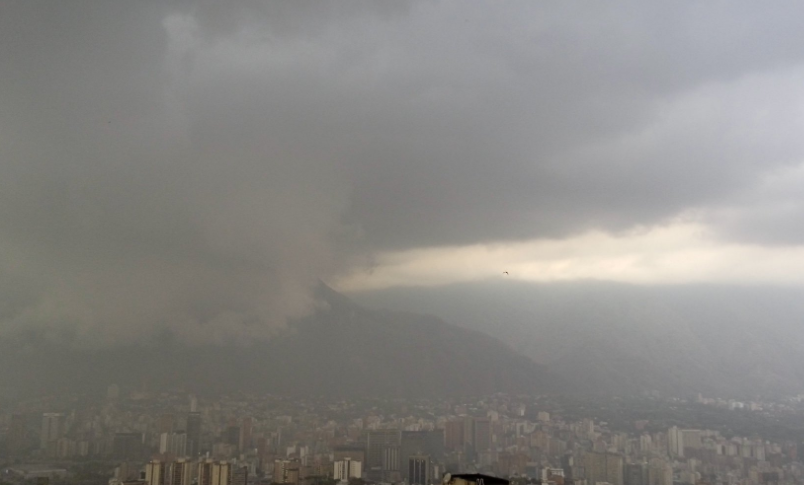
x,y
168,439
184,471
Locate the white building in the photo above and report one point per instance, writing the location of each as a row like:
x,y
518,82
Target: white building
x,y
51,429
346,469
675,442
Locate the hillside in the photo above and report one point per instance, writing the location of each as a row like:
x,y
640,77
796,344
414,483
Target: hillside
x,y
341,350
606,337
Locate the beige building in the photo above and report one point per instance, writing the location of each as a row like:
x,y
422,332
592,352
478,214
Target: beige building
x,y
286,471
659,472
155,473
213,472
181,472
603,467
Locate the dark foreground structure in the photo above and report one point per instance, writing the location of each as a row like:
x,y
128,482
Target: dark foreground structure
x,y
473,479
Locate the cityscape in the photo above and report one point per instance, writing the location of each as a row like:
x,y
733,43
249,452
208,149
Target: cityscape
x,y
175,438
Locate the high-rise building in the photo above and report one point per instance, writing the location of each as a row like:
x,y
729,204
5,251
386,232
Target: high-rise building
x,y
482,434
476,435
645,443
418,470
453,435
286,471
469,433
390,459
204,473
173,443
193,430
347,468
376,441
240,476
233,436
603,467
635,474
420,443
17,439
221,473
691,438
156,473
213,472
66,448
568,465
51,430
181,472
659,472
245,435
675,442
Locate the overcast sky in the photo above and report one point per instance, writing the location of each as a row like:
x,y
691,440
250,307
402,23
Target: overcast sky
x,y
194,168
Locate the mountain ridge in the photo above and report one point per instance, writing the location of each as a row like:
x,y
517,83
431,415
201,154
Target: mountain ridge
x,y
617,338
341,349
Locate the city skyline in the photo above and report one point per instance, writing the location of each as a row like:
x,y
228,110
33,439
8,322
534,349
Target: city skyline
x,y
538,439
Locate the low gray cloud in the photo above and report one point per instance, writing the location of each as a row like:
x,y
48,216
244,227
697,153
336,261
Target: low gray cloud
x,y
195,170
141,196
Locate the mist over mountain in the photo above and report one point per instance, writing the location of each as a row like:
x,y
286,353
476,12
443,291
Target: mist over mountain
x,y
605,337
342,349
176,178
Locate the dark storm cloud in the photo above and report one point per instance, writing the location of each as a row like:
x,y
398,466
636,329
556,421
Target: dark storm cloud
x,y
195,169
137,199
534,123
286,19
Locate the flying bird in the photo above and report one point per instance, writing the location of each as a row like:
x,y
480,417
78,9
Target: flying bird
x,y
505,272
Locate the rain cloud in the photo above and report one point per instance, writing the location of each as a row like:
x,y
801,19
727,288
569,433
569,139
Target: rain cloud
x,y
184,169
